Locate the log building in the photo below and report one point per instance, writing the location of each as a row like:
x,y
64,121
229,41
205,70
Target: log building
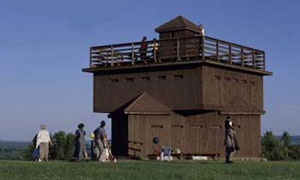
x,y
181,93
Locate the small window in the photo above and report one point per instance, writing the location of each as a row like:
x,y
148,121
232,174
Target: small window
x,y
178,77
157,126
216,126
217,77
145,78
114,80
172,35
129,79
244,81
227,79
161,77
177,126
252,83
236,126
197,126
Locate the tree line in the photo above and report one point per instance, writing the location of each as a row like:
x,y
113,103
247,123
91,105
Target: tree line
x,y
279,148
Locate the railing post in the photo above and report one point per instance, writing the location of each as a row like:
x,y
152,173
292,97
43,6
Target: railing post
x,y
90,57
253,58
154,51
230,57
203,47
112,56
264,61
242,56
132,54
178,48
217,50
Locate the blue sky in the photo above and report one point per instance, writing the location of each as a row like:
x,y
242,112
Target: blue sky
x,y
44,45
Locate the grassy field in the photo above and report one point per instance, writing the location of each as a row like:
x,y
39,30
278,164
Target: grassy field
x,y
59,170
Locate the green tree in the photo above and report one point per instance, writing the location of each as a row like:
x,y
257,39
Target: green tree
x,y
286,143
69,148
286,139
271,146
294,151
59,145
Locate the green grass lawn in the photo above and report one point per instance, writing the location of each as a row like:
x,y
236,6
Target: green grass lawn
x,y
22,170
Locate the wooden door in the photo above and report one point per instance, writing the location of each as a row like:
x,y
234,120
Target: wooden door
x,y
195,138
156,132
177,137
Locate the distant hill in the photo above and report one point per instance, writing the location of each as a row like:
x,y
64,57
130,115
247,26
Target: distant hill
x,y
12,149
294,139
13,143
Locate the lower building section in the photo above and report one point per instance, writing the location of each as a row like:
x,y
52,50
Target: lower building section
x,y
199,133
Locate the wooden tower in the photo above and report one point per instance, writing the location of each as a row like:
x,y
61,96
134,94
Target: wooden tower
x,y
181,94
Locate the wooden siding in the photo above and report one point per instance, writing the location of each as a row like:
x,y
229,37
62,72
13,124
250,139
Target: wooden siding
x,y
143,128
205,134
193,134
175,88
221,86
179,89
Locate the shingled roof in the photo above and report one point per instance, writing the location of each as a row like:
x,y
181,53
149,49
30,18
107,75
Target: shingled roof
x,y
146,104
178,23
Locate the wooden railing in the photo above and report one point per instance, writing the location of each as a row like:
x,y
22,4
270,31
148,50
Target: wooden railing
x,y
134,148
199,48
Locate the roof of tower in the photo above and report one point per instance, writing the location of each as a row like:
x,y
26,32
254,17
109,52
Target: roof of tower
x,y
178,23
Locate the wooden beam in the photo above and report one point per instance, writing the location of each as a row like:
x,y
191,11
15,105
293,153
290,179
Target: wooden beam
x,y
112,56
178,50
132,54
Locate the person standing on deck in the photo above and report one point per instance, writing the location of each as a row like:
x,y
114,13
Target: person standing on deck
x,y
202,30
80,144
202,34
100,142
42,142
231,145
143,49
154,49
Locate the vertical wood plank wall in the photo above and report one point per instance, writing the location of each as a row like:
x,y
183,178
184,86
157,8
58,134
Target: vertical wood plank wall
x,y
193,134
179,89
205,134
176,88
220,86
143,128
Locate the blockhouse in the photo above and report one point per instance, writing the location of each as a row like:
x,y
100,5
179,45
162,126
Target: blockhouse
x,y
181,93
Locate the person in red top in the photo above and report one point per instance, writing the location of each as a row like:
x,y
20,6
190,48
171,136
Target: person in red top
x,y
143,49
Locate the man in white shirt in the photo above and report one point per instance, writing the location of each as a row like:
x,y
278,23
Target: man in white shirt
x,y
43,140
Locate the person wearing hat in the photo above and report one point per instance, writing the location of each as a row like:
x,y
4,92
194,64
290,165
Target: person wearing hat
x,y
42,142
100,138
80,144
230,141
